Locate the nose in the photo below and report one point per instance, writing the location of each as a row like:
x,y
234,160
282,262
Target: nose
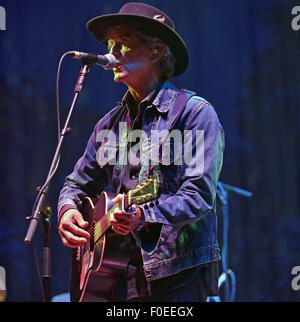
x,y
115,51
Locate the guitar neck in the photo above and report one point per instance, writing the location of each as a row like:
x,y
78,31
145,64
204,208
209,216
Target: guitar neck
x,y
143,192
103,224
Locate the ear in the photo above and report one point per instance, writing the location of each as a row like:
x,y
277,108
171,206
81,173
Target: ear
x,y
157,51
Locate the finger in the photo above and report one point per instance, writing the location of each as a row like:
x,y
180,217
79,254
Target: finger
x,y
112,216
73,240
119,217
127,216
121,226
118,198
123,219
78,219
80,232
75,230
120,230
67,244
82,223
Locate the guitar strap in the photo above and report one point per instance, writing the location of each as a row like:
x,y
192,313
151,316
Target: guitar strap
x,y
180,102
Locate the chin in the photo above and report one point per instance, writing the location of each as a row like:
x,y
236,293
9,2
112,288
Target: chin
x,y
120,77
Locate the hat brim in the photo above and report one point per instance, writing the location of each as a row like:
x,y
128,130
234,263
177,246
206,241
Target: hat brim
x,y
98,27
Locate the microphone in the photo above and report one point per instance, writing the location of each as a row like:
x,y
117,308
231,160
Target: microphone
x,y
107,61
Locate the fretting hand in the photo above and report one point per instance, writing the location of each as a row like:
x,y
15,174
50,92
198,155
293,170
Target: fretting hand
x,y
124,222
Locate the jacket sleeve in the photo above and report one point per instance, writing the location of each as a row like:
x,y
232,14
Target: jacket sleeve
x,y
197,182
87,178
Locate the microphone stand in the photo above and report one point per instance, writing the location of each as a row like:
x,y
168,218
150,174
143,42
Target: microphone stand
x,y
41,207
222,192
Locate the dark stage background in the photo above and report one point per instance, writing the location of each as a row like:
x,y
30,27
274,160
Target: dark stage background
x,y
244,59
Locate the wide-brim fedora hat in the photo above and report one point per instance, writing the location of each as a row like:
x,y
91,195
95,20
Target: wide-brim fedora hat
x,y
148,19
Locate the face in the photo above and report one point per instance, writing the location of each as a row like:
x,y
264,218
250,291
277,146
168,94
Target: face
x,y
134,59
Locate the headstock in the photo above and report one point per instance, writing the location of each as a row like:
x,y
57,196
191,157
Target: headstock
x,y
145,191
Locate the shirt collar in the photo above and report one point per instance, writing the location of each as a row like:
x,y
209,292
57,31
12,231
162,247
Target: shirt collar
x,y
161,97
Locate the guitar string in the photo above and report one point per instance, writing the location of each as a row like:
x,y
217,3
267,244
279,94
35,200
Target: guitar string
x,y
106,216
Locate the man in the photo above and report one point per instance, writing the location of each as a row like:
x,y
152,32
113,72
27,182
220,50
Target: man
x,y
170,241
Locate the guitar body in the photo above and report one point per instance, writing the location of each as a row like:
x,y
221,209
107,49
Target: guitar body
x,y
97,261
97,264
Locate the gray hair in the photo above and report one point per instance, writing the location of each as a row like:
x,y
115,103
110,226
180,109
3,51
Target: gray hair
x,y
167,61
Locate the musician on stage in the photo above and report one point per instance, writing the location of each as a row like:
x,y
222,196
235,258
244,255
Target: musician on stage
x,y
170,241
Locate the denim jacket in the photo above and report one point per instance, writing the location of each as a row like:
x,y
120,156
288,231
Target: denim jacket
x,y
186,205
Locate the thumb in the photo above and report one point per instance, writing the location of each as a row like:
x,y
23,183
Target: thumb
x,y
80,221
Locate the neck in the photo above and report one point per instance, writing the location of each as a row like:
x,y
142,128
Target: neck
x,y
139,93
141,89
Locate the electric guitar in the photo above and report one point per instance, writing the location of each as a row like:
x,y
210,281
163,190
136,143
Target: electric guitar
x,y
99,253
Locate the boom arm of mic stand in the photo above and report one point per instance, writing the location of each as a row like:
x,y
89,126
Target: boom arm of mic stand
x,y
237,190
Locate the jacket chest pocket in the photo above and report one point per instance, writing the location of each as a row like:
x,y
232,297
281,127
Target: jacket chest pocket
x,y
163,149
107,154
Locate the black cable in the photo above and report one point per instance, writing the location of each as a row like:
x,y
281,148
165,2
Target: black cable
x,y
57,92
41,189
38,270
